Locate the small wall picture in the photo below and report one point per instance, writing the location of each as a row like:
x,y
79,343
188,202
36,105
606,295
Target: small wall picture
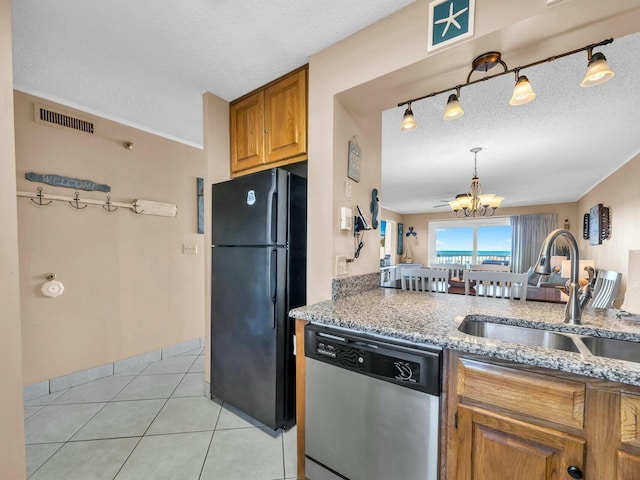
x,y
400,240
594,225
353,171
449,21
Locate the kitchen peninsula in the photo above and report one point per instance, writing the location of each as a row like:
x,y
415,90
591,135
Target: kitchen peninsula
x,y
574,412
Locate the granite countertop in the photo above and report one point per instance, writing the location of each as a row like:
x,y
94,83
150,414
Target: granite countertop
x,y
434,319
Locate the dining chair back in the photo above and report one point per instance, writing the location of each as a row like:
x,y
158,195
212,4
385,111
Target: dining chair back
x,y
497,284
456,270
490,267
605,289
424,280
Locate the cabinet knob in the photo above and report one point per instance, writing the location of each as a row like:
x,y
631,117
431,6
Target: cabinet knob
x,y
266,131
574,472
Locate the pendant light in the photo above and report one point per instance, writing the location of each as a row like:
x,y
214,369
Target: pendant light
x,y
408,122
475,203
598,70
522,92
453,110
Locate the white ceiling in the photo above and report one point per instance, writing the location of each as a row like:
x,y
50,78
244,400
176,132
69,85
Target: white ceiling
x,y
147,64
552,150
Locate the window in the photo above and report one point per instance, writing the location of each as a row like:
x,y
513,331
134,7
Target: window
x,y
470,241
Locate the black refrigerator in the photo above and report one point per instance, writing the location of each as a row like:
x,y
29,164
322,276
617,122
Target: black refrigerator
x,y
258,274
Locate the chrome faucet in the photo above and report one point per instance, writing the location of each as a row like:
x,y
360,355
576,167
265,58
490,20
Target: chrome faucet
x,y
572,311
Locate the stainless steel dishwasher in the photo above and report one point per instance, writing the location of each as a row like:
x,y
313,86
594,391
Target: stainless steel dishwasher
x,y
372,407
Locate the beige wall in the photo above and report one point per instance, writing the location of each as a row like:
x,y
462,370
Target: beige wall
x,y
216,150
129,288
12,454
620,193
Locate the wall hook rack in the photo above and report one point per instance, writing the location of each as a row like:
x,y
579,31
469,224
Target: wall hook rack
x,y
40,198
135,208
108,206
75,203
138,206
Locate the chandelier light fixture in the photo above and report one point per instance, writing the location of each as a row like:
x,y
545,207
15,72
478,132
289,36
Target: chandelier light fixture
x,y
474,203
598,71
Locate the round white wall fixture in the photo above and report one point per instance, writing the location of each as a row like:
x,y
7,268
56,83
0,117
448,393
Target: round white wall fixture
x,y
52,288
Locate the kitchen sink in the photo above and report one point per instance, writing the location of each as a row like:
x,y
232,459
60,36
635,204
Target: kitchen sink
x,y
524,335
611,348
601,347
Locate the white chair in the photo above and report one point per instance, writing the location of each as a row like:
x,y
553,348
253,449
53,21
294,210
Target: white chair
x,y
456,270
605,289
497,284
489,267
424,280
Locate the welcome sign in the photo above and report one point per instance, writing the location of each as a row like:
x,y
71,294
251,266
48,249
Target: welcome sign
x,y
67,182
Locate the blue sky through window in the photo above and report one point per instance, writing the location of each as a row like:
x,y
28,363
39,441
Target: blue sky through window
x,y
490,238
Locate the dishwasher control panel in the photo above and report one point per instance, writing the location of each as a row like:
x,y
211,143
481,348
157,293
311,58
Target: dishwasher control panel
x,y
415,368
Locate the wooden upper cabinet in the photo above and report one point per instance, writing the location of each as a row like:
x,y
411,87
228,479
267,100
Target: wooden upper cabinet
x,y
247,124
285,106
268,128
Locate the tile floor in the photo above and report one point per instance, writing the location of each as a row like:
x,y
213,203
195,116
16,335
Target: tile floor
x,y
153,423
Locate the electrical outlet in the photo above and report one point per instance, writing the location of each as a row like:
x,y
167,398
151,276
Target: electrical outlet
x,y
341,265
189,249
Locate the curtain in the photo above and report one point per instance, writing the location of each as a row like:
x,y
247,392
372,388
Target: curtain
x,y
527,235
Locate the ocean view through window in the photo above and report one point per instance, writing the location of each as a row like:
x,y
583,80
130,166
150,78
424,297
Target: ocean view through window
x,y
470,241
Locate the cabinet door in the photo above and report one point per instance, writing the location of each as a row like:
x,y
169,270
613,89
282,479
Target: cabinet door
x,y
286,118
493,447
247,132
628,466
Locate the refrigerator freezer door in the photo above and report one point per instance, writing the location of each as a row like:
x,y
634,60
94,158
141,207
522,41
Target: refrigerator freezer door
x,y
250,210
248,325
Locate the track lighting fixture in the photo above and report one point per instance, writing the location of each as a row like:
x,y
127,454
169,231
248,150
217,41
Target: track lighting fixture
x,y
598,71
522,92
453,109
408,122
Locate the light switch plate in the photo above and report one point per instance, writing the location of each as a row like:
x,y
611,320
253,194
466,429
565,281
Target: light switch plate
x,y
341,265
189,249
348,189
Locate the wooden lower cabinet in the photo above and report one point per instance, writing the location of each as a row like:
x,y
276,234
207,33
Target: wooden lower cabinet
x,y
503,420
493,446
628,466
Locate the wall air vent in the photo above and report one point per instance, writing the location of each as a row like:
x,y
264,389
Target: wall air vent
x,y
45,115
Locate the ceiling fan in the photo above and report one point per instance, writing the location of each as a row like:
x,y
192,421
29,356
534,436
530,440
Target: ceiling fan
x,y
445,203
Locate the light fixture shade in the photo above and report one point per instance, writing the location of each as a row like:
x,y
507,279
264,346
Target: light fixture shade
x,y
566,268
464,201
455,205
496,201
453,110
522,92
408,122
598,71
556,261
485,199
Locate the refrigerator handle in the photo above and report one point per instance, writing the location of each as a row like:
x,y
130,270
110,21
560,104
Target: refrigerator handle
x,y
273,215
273,283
